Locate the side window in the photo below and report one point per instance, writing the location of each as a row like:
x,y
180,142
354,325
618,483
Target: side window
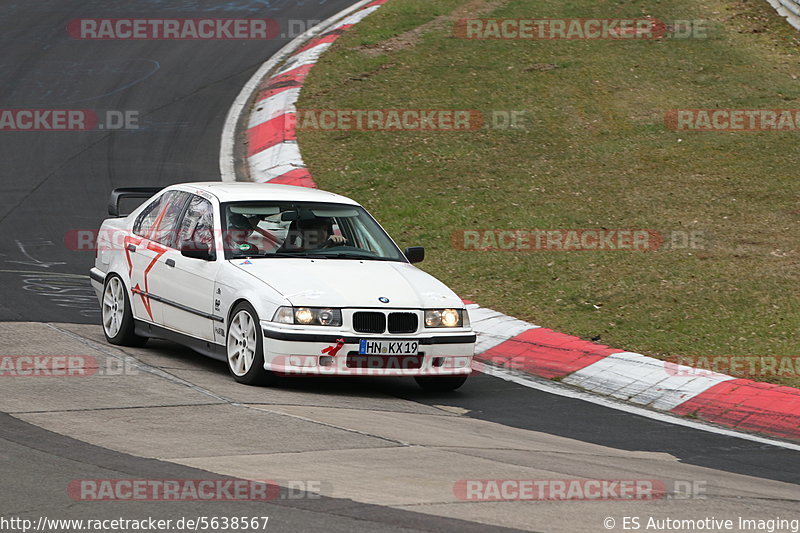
x,y
160,225
198,223
146,219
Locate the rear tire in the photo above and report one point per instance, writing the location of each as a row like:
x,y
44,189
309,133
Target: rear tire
x,y
245,347
118,326
440,384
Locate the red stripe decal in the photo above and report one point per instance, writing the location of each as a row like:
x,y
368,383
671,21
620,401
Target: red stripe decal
x,y
126,241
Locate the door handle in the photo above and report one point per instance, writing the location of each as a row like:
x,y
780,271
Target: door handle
x,y
170,262
131,248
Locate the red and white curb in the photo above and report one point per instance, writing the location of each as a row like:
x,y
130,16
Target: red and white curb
x,y
507,346
788,9
272,152
508,343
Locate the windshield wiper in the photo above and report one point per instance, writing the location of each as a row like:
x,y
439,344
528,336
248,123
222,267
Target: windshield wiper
x,y
300,254
350,255
330,255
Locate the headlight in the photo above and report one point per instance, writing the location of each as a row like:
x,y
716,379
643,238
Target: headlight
x,y
308,316
443,318
304,315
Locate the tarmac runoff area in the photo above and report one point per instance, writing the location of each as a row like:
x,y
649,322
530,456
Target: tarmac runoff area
x,y
361,439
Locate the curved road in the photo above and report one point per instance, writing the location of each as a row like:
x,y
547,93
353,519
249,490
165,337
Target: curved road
x,y
389,453
55,183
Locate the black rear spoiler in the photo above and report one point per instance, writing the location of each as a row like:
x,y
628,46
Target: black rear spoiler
x,y
129,192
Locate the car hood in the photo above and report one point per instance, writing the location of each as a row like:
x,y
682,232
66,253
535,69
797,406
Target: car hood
x,y
350,283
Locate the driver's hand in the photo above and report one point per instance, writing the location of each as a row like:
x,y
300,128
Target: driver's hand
x,y
336,240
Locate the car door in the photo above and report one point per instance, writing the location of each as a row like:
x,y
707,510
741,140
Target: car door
x,y
152,232
185,285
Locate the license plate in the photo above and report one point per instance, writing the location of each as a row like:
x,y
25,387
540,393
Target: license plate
x,y
367,347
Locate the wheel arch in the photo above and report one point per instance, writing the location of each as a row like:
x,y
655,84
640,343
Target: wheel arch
x,y
232,308
118,267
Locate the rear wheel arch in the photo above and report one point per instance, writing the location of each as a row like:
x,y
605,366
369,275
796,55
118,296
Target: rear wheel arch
x,y
122,332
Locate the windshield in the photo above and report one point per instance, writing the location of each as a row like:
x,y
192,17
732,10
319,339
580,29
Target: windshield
x,y
297,229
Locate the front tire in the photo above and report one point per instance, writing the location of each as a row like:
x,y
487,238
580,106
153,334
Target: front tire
x,y
245,347
117,317
440,384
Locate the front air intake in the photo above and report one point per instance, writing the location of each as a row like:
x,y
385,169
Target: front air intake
x,y
369,322
403,322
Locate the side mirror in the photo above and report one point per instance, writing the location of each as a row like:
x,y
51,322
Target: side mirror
x,y
196,250
415,254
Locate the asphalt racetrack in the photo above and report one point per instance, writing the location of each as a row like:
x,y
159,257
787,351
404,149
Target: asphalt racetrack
x,y
56,183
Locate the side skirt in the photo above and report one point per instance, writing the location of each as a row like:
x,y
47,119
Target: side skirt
x,y
209,349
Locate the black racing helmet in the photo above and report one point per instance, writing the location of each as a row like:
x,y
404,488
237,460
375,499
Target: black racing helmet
x,y
237,221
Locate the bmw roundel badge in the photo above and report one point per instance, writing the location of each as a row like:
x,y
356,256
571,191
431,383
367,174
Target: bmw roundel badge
x,y
383,300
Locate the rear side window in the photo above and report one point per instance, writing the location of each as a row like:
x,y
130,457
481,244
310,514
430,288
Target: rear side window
x,y
159,220
147,218
198,223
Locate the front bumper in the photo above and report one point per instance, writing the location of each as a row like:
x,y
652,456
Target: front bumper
x,y
305,353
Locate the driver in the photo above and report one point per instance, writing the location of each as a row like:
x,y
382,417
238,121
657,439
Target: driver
x,y
239,230
315,234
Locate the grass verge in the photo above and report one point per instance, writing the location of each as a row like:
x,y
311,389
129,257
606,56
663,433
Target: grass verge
x,y
595,153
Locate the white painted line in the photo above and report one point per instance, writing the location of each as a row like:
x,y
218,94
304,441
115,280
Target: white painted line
x,y
644,380
788,11
792,5
304,58
551,387
494,328
227,166
486,340
274,106
275,161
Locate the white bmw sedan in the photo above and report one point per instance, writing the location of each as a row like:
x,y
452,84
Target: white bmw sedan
x,y
276,280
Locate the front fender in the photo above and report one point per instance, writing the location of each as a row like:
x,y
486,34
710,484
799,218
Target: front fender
x,y
234,286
